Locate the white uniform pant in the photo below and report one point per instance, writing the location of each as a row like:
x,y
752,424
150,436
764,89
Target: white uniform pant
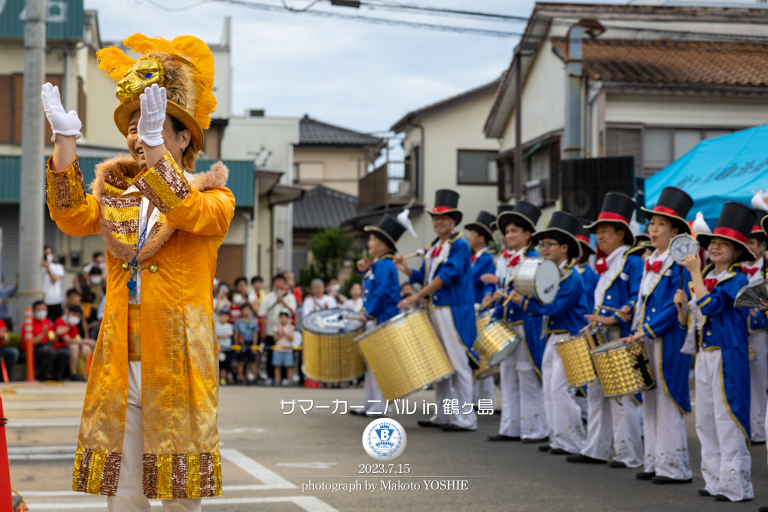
x,y
522,395
374,402
614,422
666,442
725,459
130,491
483,389
563,414
758,378
459,385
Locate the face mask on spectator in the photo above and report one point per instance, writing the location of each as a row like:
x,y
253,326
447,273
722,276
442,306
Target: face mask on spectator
x,y
96,279
40,315
335,288
73,320
238,299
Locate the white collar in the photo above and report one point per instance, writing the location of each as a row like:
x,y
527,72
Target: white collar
x,y
759,264
481,251
658,257
617,253
563,264
719,277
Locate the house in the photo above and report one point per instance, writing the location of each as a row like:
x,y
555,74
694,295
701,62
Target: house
x,y
331,156
654,81
444,147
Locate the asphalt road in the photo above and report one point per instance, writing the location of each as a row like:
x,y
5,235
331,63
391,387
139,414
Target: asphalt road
x,y
268,456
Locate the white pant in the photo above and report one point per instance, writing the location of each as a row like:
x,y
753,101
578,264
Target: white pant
x,y
563,414
666,442
459,385
522,395
614,422
725,460
484,389
758,377
372,392
130,492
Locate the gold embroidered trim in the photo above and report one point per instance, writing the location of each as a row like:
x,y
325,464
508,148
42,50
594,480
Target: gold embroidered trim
x,y
182,475
64,190
96,471
164,184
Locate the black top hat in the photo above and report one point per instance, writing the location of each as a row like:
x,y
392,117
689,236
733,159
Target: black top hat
x,y
524,214
483,225
582,235
446,203
388,229
617,210
562,227
643,240
673,204
757,230
499,210
735,225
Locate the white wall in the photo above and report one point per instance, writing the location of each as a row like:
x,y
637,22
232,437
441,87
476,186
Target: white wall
x,y
686,111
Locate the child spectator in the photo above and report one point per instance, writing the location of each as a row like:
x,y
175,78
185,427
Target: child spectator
x,y
236,301
69,335
51,363
9,354
257,295
226,356
282,355
246,330
355,302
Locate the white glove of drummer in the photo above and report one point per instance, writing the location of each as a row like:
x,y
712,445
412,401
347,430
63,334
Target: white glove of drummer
x,y
61,122
150,127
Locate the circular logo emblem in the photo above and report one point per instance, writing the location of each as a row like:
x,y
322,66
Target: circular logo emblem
x,y
384,439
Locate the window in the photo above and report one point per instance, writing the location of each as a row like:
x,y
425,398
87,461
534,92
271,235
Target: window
x,y
478,167
662,146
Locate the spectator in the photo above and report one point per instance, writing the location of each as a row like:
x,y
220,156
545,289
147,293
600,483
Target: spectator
x,y
257,295
236,301
318,300
334,290
95,283
83,287
246,329
68,332
355,302
9,354
226,355
406,290
51,363
97,260
282,356
294,289
52,274
5,309
221,301
276,300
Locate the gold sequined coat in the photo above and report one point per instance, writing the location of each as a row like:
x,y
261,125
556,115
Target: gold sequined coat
x,y
179,351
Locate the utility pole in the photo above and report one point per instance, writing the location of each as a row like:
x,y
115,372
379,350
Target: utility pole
x,y
32,175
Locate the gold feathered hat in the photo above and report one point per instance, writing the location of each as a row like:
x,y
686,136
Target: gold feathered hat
x,y
183,66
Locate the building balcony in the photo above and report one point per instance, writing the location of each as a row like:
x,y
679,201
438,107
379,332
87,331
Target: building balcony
x,y
387,186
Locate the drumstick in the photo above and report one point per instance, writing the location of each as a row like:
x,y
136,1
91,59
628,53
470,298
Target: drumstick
x,y
418,253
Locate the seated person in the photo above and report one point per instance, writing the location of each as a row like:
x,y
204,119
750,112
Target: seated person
x,y
51,363
9,354
67,329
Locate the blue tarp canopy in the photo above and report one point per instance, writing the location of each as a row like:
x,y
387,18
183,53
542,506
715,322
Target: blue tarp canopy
x,y
728,168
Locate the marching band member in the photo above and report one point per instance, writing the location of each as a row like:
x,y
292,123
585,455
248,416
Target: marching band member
x,y
582,266
522,395
666,443
757,326
493,281
380,296
482,263
613,422
446,280
722,364
566,318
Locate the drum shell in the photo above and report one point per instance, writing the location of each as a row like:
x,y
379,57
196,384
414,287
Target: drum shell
x,y
496,343
618,367
404,354
530,275
577,361
331,358
483,320
484,370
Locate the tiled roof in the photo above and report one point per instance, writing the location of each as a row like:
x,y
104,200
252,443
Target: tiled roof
x,y
681,62
321,208
317,133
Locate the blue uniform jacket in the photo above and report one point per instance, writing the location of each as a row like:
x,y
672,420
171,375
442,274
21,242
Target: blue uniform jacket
x,y
725,328
624,289
757,323
590,278
458,290
566,312
482,265
535,340
659,322
381,290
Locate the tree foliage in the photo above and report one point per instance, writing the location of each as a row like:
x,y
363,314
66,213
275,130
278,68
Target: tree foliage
x,y
330,248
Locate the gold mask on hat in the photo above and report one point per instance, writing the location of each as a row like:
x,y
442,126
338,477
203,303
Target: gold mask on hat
x,y
142,75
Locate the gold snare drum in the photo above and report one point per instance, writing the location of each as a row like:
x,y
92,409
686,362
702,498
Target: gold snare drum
x,y
483,370
404,354
496,343
574,353
622,369
482,321
329,353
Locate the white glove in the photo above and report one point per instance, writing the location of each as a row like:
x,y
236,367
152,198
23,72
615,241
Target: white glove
x,y
61,122
150,127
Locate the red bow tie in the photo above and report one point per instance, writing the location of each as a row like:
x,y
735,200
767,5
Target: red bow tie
x,y
750,271
653,267
710,284
473,258
436,251
511,262
601,266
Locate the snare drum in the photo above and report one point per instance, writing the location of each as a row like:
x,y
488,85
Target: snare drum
x,y
405,354
329,353
539,278
496,343
577,362
483,370
622,369
482,320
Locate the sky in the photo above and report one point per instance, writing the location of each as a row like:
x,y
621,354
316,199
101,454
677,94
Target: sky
x,y
348,73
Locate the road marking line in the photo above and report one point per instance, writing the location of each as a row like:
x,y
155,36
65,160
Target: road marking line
x,y
44,456
309,465
43,422
225,488
47,390
26,450
43,405
308,503
256,470
241,430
